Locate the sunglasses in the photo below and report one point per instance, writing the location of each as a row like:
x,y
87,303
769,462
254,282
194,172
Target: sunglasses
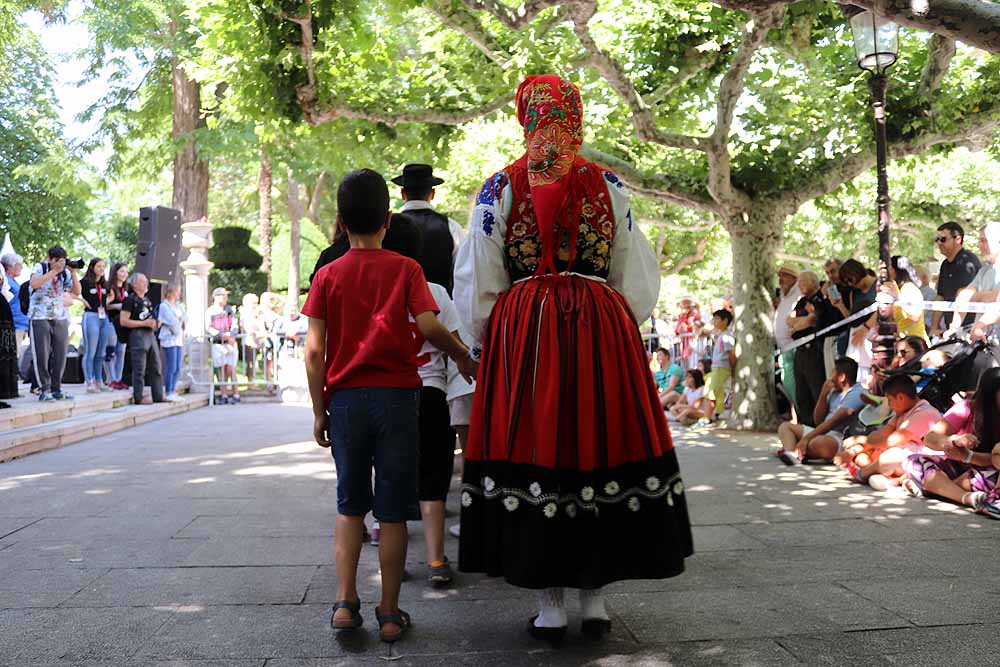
x,y
941,239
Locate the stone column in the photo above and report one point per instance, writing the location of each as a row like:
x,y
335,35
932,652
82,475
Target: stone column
x,y
197,238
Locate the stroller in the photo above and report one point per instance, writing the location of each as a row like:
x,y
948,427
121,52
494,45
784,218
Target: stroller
x,y
960,373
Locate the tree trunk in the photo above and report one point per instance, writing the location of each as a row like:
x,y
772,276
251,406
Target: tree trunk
x,y
264,227
755,239
190,191
295,213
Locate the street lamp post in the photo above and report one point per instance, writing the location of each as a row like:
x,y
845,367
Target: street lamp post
x,y
876,45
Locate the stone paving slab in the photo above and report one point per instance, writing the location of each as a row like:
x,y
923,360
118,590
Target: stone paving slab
x,y
195,585
205,540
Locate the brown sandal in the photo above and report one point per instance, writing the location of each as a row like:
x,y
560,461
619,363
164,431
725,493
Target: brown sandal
x,y
400,618
352,623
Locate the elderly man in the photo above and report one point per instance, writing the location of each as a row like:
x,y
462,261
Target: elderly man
x,y
809,366
788,297
985,286
139,318
13,264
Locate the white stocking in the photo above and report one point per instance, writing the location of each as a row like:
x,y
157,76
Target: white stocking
x,y
551,613
592,604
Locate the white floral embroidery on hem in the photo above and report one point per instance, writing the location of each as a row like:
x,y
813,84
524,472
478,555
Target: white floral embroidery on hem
x,y
511,503
634,504
535,489
550,510
466,498
586,499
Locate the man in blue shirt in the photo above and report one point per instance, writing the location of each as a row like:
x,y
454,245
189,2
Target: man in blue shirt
x,y
839,400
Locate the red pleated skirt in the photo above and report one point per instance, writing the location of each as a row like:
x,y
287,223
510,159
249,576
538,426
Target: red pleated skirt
x,y
569,454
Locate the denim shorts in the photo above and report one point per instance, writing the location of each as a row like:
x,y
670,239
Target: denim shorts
x,y
376,427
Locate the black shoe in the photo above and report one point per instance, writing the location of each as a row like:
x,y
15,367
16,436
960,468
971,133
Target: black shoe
x,y
551,635
595,628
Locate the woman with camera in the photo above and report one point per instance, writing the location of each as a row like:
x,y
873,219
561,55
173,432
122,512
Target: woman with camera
x,y
97,328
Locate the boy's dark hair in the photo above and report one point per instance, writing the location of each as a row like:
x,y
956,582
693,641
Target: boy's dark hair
x,y
848,367
955,229
363,201
900,384
412,194
725,315
853,270
402,237
57,252
696,375
664,351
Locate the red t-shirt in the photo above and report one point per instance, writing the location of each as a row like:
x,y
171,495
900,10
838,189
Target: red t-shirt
x,y
366,298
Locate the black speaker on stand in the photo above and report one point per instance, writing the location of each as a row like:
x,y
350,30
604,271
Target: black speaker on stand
x,y
159,245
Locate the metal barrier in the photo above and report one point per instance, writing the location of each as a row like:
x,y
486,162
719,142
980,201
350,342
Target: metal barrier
x,y
273,361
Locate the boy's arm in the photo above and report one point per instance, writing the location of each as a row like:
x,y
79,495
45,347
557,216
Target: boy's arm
x,y
439,336
316,374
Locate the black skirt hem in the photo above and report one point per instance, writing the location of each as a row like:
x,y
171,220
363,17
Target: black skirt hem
x,y
541,527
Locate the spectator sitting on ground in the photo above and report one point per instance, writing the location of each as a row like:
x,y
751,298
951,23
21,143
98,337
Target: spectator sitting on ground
x,y
839,400
958,269
691,406
669,379
877,458
223,327
965,470
723,364
985,287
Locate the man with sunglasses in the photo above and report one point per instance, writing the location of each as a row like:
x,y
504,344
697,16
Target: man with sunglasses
x,y
958,270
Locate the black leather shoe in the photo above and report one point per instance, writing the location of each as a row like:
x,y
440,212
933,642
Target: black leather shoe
x,y
595,628
551,635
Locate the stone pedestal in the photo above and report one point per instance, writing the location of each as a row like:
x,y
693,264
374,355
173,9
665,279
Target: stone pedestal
x,y
197,238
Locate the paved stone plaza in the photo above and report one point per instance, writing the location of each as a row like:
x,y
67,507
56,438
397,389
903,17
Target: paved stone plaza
x,y
204,539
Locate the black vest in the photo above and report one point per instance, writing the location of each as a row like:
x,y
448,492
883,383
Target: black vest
x,y
437,246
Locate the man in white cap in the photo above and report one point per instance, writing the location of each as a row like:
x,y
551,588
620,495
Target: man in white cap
x,y
223,328
788,295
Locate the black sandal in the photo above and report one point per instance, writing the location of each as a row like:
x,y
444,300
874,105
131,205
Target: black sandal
x,y
400,618
354,622
552,635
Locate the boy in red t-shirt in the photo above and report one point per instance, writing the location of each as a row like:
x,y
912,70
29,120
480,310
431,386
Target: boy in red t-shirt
x,y
361,361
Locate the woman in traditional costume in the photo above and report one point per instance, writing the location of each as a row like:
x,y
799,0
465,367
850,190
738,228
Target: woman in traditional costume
x,y
570,475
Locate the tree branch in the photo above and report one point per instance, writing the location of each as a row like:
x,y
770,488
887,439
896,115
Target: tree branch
x,y
684,229
317,114
464,22
317,196
695,62
940,51
699,254
978,129
651,186
730,91
642,117
973,22
513,19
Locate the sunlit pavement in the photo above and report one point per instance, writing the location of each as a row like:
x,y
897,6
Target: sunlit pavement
x,y
204,539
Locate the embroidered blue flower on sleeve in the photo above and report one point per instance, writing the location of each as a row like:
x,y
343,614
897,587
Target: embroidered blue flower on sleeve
x,y
488,221
628,216
613,179
485,197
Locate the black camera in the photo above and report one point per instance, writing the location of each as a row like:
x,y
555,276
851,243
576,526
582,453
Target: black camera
x,y
74,263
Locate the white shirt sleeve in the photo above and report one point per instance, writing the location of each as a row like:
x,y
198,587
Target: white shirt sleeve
x,y
635,269
457,235
480,274
447,313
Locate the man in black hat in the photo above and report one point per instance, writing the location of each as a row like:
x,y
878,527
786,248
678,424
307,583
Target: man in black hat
x,y
440,234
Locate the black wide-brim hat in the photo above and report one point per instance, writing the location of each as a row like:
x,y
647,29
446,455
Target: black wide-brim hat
x,y
418,177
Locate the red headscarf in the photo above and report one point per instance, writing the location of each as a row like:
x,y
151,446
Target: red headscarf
x,y
551,112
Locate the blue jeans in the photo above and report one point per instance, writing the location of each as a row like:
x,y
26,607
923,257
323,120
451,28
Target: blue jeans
x,y
376,426
119,362
173,356
97,333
